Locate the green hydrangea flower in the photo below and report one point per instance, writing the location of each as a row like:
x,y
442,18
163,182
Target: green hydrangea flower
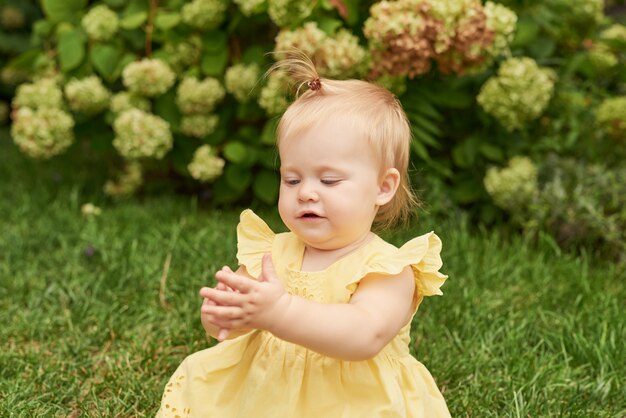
x,y
614,33
285,12
601,58
502,21
513,187
141,135
199,96
87,95
519,93
611,116
198,125
100,23
148,77
205,166
240,80
204,14
42,133
40,94
250,7
273,96
181,55
127,183
124,101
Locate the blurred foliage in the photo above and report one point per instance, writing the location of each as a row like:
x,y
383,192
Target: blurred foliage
x,y
172,92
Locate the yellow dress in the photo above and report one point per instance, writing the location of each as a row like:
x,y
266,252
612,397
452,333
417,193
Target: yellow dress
x,y
259,375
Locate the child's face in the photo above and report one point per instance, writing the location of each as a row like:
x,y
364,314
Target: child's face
x,y
329,192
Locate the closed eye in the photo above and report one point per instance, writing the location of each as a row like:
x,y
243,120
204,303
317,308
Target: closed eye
x,y
330,181
291,182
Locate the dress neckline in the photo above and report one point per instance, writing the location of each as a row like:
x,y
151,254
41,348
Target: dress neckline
x,y
296,265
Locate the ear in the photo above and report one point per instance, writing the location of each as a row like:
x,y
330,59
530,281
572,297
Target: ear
x,y
387,186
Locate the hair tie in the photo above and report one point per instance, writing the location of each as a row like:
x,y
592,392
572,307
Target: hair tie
x,y
315,84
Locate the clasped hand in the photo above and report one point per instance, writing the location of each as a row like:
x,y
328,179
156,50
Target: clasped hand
x,y
238,302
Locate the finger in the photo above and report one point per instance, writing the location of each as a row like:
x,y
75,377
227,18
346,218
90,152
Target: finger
x,y
268,272
222,297
222,334
222,312
235,281
204,292
206,301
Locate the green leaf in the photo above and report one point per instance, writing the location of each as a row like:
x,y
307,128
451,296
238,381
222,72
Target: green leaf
x,y
165,107
71,49
134,20
166,20
215,41
491,152
467,191
235,152
268,136
224,193
353,11
526,32
105,59
542,47
214,63
25,62
238,176
63,10
423,123
424,137
420,150
329,25
266,186
254,54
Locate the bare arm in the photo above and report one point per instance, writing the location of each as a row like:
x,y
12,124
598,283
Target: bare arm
x,y
357,330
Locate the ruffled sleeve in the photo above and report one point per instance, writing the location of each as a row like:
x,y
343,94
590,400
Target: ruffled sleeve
x,y
423,254
254,238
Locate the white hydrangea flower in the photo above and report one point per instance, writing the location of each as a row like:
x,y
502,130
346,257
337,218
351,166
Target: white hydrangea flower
x,y
42,133
513,187
204,14
502,21
205,166
90,210
285,12
199,96
198,125
273,96
614,33
87,95
240,80
42,93
141,135
124,101
611,115
519,93
148,77
250,7
100,23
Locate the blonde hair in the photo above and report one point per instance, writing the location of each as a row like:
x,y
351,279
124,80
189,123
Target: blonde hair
x,y
372,109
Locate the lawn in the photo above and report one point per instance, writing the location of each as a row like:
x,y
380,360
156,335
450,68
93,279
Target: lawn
x,y
97,313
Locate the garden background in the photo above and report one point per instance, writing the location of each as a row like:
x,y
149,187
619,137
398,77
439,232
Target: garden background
x,y
134,132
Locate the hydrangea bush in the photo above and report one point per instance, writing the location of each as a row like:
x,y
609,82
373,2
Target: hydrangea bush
x,y
178,90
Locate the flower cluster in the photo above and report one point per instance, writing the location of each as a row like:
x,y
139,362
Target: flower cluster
x,y
198,125
512,187
519,92
148,77
339,56
100,23
614,33
250,7
141,135
87,95
198,96
285,12
204,14
42,93
205,166
240,80
42,133
127,182
90,210
181,55
611,115
124,101
273,96
601,57
12,18
407,36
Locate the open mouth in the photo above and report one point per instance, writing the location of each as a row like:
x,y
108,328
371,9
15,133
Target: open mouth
x,y
310,215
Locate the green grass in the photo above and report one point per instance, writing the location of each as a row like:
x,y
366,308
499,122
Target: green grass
x,y
521,331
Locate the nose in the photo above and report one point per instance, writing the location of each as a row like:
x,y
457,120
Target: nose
x,y
307,192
